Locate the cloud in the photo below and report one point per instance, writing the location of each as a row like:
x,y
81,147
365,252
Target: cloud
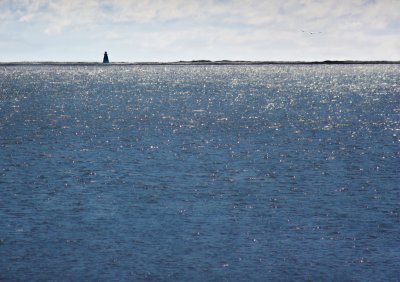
x,y
254,26
245,11
64,13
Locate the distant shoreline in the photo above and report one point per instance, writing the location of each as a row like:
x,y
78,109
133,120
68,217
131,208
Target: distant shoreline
x,y
205,62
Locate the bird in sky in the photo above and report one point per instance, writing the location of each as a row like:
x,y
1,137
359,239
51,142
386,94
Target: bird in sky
x,y
311,32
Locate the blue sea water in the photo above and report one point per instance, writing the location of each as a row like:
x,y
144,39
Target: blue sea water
x,y
200,173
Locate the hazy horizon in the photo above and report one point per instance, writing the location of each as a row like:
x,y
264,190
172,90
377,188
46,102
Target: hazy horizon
x,y
194,61
169,31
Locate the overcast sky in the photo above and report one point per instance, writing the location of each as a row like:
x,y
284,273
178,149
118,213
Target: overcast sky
x,y
171,30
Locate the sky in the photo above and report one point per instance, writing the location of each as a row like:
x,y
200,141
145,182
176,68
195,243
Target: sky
x,y
173,30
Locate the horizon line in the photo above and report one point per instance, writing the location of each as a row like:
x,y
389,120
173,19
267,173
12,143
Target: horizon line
x,y
202,62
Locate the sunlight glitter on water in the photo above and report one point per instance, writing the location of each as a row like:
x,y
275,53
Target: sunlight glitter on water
x,y
151,172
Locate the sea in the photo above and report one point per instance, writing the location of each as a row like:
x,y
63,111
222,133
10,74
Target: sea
x,y
200,172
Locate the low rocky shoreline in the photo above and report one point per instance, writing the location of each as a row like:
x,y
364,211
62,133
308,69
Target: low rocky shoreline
x,y
208,62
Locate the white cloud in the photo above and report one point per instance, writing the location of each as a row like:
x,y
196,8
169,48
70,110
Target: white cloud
x,y
255,12
250,25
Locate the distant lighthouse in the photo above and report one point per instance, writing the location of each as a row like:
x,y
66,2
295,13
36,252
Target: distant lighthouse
x,y
105,58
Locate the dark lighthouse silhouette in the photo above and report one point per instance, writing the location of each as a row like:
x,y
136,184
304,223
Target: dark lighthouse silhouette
x,y
105,58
